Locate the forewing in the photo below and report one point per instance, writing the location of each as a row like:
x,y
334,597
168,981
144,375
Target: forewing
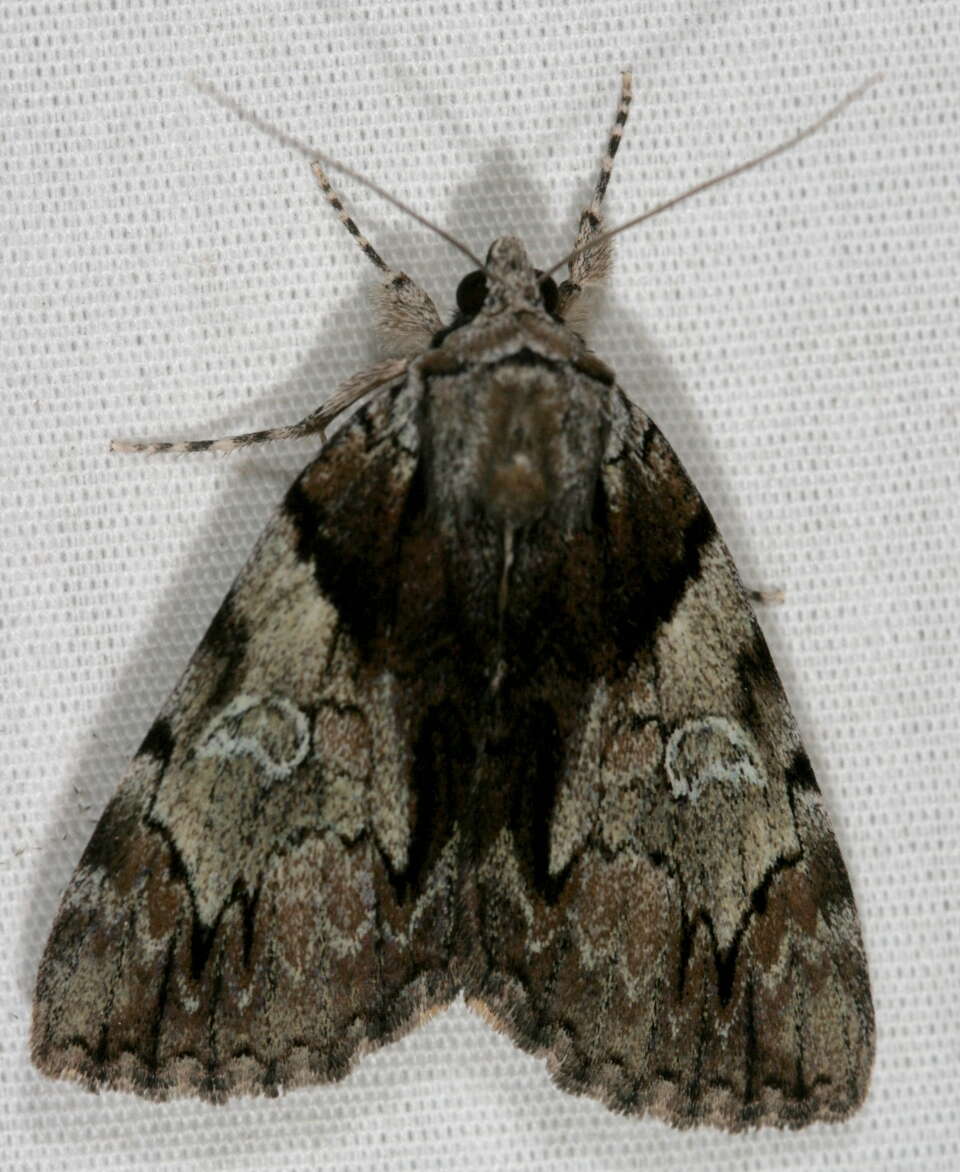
x,y
691,948
244,917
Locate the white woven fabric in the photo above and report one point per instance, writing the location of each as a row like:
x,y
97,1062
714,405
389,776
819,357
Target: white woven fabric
x,y
168,271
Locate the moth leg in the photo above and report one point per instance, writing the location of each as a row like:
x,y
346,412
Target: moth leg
x,y
313,424
592,266
406,317
768,596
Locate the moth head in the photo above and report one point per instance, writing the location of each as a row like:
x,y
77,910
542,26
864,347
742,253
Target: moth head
x,y
508,279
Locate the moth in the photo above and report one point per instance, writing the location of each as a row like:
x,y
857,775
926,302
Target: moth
x,y
487,712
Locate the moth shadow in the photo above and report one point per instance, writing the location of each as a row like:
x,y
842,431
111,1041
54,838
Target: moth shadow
x,y
260,478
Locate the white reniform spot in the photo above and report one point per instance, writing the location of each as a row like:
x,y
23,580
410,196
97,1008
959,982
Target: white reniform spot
x,y
285,722
711,749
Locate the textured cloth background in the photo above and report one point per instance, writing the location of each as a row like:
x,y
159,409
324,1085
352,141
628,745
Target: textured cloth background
x,y
168,271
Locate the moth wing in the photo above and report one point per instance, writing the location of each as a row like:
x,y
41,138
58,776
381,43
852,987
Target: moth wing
x,y
242,919
693,949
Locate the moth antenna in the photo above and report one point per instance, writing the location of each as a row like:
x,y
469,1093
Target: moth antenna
x,y
788,144
590,264
315,157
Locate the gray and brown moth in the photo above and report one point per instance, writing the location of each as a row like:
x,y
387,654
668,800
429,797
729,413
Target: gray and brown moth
x,y
487,712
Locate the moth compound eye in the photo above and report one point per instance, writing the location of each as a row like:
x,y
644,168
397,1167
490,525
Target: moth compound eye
x,y
472,292
549,294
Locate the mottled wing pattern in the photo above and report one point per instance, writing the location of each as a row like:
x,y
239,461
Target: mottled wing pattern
x,y
247,915
687,944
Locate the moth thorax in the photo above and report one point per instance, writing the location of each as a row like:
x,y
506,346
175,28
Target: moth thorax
x,y
524,452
